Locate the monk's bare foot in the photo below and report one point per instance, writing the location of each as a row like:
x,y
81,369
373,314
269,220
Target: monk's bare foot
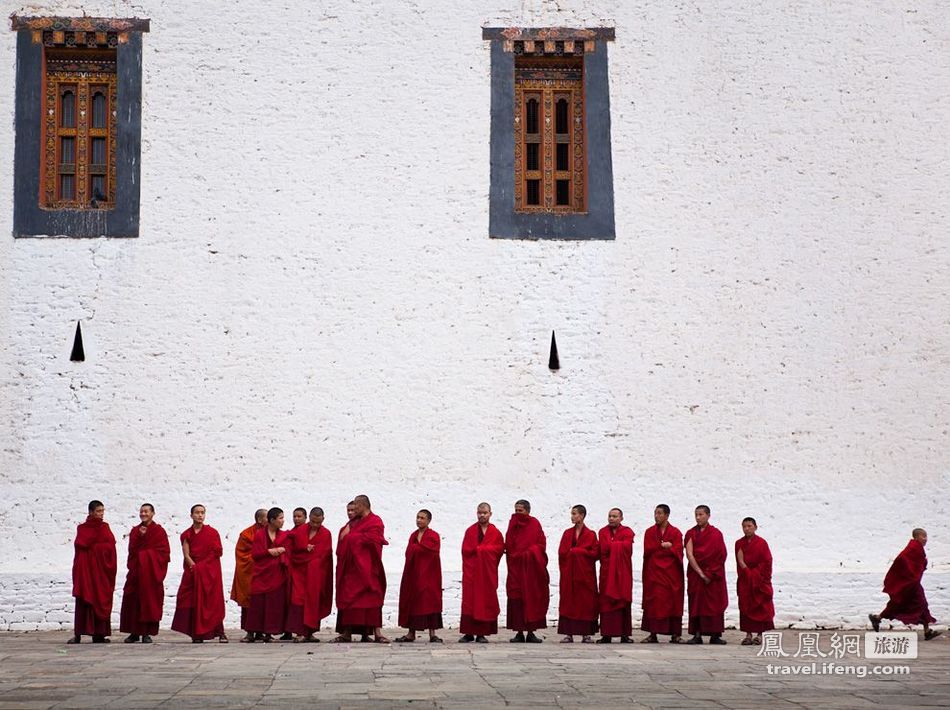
x,y
342,639
248,638
405,639
364,638
287,636
467,638
931,634
481,639
518,637
146,639
747,641
131,638
587,639
676,639
435,639
651,639
75,639
605,639
223,638
268,638
757,641
531,638
696,640
381,639
567,639
875,621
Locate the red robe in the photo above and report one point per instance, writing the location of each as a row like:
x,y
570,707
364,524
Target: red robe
x,y
707,602
269,572
361,579
908,603
199,610
480,559
143,596
528,581
577,561
312,573
94,569
662,581
754,585
616,568
420,592
243,567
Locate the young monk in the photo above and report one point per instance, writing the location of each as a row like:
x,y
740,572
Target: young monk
x,y
754,584
299,517
662,578
269,583
577,561
144,594
908,603
420,592
482,549
706,579
199,609
244,569
361,584
94,568
311,569
341,545
528,581
615,541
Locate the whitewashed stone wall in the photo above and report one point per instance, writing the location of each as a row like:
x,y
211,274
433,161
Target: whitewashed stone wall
x,y
314,308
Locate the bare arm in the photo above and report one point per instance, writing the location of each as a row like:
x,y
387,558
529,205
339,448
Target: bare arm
x,y
693,563
186,551
740,558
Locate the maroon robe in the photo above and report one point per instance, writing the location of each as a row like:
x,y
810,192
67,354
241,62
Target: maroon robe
x,y
616,580
268,611
907,603
143,597
94,569
199,608
311,597
361,579
754,585
578,604
528,583
662,581
420,592
707,601
481,555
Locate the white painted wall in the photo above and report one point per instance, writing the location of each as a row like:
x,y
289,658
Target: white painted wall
x,y
314,308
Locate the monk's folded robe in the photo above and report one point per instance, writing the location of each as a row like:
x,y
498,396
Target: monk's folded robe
x,y
243,570
615,547
707,601
578,605
94,569
528,580
754,586
268,611
907,603
311,596
420,591
143,596
361,579
481,555
199,607
663,583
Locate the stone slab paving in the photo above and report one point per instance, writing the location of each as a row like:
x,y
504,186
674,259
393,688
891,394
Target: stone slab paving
x,y
37,670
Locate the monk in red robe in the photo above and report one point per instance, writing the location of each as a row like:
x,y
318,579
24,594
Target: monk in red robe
x,y
663,583
199,608
143,597
482,549
577,560
528,581
244,568
908,603
299,516
340,556
311,569
420,592
615,546
268,611
754,584
94,568
706,579
361,579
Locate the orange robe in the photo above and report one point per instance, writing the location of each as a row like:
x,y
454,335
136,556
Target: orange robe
x,y
243,567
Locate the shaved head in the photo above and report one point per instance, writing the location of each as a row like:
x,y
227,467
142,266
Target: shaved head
x,y
260,516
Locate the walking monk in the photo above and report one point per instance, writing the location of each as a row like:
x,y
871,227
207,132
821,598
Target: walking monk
x,y
361,579
94,568
420,592
268,610
662,578
311,568
616,578
706,579
908,603
199,609
528,580
577,560
754,585
482,548
244,568
144,594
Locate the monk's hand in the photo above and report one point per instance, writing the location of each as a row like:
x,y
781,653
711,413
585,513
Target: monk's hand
x,y
309,548
275,551
143,529
706,579
666,545
190,562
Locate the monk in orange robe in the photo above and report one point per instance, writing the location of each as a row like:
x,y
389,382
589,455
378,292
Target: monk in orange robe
x,y
706,579
528,583
577,562
754,584
663,583
615,541
94,568
908,603
244,569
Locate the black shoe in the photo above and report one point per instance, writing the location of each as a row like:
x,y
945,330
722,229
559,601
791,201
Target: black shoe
x,y
146,639
131,638
875,621
717,640
101,639
287,636
75,639
604,639
531,638
481,639
518,637
467,638
625,639
365,638
197,640
696,640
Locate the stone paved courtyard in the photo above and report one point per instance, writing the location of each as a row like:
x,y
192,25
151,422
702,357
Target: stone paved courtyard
x,y
38,671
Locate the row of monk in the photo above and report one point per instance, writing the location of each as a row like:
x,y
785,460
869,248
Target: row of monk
x,y
284,580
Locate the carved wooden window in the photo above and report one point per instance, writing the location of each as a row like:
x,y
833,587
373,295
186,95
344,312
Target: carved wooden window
x,y
550,154
78,160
